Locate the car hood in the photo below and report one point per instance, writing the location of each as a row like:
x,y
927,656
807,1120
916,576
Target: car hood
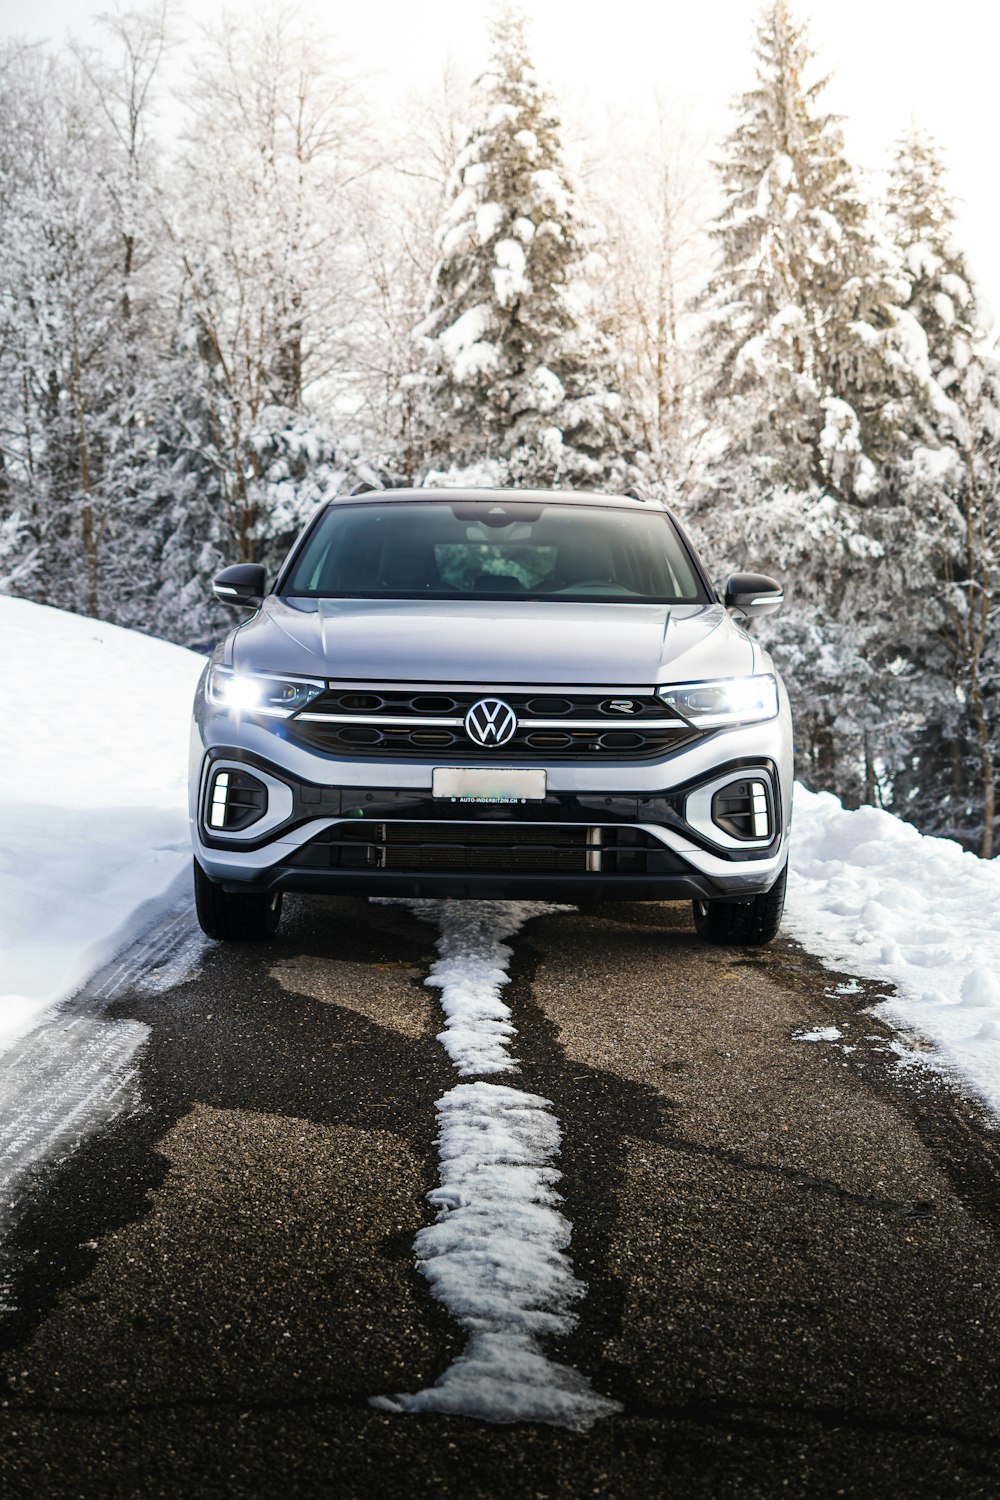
x,y
485,642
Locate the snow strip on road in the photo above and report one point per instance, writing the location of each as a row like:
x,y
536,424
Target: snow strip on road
x,y
496,1255
871,896
470,971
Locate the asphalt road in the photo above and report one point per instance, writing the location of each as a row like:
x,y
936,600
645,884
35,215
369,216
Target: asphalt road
x,y
790,1248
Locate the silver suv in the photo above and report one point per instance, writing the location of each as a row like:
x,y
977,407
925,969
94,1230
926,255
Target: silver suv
x,y
492,693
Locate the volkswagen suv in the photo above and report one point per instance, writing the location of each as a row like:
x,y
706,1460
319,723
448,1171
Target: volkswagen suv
x,y
492,693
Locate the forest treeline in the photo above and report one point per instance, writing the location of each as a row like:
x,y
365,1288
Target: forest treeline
x,y
224,301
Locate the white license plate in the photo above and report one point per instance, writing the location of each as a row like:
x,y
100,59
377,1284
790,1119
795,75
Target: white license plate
x,y
484,784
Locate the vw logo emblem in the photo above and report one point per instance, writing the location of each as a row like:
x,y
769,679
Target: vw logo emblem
x,y
491,721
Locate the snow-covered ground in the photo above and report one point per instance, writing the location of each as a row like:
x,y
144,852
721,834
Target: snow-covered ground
x,y
93,821
870,895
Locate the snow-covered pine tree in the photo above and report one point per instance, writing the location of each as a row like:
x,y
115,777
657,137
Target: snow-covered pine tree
x,y
810,373
948,777
517,367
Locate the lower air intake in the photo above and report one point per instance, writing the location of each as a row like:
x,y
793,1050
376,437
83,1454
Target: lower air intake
x,y
500,848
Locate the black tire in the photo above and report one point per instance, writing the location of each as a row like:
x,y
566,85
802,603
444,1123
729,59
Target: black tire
x,y
235,916
742,924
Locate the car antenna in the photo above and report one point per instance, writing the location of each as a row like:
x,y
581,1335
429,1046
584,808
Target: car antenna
x,y
363,487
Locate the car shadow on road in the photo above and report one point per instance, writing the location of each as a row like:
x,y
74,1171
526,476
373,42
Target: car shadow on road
x,y
233,1038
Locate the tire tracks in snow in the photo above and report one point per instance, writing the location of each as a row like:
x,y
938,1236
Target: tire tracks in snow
x,y
496,1256
77,1069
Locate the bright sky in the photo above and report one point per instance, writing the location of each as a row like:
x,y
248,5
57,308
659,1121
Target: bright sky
x,y
890,62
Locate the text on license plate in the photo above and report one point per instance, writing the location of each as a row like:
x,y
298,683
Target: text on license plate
x,y
488,784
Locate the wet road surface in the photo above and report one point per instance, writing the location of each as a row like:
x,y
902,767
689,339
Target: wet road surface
x,y
790,1247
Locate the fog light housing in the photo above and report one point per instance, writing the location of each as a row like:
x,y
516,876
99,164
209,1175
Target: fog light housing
x,y
743,809
233,800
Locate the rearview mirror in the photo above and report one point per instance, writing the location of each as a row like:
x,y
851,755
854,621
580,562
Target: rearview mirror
x,y
242,584
753,594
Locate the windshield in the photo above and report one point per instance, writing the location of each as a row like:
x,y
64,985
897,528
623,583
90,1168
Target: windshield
x,y
510,550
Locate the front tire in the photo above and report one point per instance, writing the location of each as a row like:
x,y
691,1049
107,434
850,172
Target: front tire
x,y
742,924
235,916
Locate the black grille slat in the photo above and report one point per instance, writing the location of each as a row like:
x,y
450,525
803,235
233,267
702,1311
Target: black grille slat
x,y
358,703
434,705
548,708
548,739
360,736
464,846
616,741
544,835
437,857
435,739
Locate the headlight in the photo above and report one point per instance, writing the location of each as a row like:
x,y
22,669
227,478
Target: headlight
x,y
730,700
253,693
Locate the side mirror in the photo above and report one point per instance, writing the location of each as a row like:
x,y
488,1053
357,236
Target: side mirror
x,y
753,594
243,584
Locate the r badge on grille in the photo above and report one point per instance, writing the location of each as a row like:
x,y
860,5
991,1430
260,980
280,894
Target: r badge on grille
x,y
491,721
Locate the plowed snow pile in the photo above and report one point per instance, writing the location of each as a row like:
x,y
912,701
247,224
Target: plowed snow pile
x,y
93,817
870,895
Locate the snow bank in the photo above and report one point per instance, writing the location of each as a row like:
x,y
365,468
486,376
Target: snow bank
x,y
870,895
495,1257
93,817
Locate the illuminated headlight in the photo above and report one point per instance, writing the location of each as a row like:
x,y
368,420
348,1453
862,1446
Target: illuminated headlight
x,y
253,693
729,700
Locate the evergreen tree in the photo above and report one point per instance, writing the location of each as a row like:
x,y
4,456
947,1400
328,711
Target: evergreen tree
x,y
952,550
812,369
516,366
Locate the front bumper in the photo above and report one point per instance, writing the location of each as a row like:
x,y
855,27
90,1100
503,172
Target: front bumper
x,y
355,837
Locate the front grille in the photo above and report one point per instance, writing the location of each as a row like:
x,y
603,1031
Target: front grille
x,y
500,847
429,725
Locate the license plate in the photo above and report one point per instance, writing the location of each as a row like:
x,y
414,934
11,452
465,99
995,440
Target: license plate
x,y
486,784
